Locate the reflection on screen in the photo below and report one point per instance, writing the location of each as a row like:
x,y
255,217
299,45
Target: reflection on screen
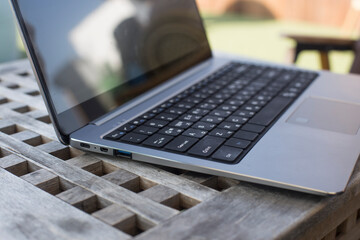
x,y
113,50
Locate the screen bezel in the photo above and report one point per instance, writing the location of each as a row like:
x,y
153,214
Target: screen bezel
x,y
65,122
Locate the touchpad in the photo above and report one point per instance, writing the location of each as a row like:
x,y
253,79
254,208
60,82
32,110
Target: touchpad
x,y
328,115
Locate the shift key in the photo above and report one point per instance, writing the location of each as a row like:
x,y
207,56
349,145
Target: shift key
x,y
206,146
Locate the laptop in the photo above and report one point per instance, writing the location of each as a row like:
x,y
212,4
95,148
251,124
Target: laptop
x,y
137,79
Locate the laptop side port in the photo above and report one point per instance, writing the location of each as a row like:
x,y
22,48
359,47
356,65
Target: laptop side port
x,y
124,154
104,149
84,145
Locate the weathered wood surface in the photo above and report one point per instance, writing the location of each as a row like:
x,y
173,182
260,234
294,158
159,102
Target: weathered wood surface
x,y
61,191
29,213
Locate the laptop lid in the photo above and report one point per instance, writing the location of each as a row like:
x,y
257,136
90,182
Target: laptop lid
x,y
92,56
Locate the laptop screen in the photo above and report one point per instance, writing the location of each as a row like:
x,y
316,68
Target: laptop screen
x,y
95,55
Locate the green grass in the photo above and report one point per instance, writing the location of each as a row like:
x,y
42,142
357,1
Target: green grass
x,y
261,39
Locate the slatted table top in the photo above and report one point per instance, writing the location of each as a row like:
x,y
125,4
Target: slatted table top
x,y
52,191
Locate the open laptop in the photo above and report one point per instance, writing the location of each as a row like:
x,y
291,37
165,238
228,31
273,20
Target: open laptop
x,y
137,79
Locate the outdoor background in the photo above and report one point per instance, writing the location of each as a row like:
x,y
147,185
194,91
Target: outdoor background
x,y
251,28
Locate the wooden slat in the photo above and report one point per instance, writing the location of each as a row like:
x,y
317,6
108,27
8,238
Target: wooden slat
x,y
182,185
118,217
88,163
164,195
241,212
125,179
204,179
149,213
14,118
80,198
31,213
19,80
14,164
28,137
21,97
189,188
44,180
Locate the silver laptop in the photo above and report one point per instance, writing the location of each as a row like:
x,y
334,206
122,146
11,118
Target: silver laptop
x,y
137,79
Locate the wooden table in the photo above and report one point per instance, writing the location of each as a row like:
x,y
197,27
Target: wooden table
x,y
52,191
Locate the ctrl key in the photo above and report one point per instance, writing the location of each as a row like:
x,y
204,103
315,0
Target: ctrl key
x,y
227,154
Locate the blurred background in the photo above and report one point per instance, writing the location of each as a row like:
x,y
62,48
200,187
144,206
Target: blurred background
x,y
252,28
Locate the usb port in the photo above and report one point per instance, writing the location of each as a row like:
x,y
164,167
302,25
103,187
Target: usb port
x,y
84,145
104,149
124,154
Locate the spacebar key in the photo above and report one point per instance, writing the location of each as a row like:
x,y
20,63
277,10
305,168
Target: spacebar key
x,y
266,115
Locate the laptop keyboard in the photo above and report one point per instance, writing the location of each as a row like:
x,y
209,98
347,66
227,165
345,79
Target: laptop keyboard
x,y
221,117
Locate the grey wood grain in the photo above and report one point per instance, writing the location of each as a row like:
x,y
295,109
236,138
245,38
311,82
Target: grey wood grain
x,y
149,212
118,217
44,180
14,164
30,213
189,188
250,211
80,198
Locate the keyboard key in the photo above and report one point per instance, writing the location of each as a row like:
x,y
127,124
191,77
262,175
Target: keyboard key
x,y
220,113
166,105
180,124
239,143
212,119
204,126
226,153
186,105
221,133
138,121
245,135
196,133
230,126
193,100
177,111
181,143
236,119
157,110
148,115
251,108
225,107
146,130
206,146
156,123
253,128
190,117
198,111
166,116
116,135
157,140
214,100
126,128
200,95
171,131
235,102
208,106
134,138
244,113
270,111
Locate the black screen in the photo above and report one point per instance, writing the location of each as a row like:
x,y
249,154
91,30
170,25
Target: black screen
x,y
93,56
